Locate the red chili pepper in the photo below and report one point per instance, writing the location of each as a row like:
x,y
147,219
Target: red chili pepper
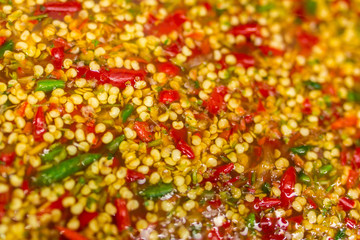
x,y
266,203
226,134
296,219
39,125
355,162
122,215
343,157
2,40
215,203
352,179
60,42
266,90
116,162
225,169
185,149
70,234
287,187
344,122
21,109
270,51
85,217
142,130
169,96
214,234
62,7
216,101
312,203
270,224
171,23
4,200
169,68
260,107
346,203
132,176
307,40
54,205
173,49
245,60
7,158
58,56
25,186
178,134
246,30
306,107
350,223
231,181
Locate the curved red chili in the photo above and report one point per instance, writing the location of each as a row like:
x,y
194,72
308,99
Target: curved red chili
x,y
142,130
246,30
287,187
62,7
346,203
122,215
168,68
132,175
58,56
39,125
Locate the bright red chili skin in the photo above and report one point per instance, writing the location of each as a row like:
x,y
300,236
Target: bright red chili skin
x,y
313,204
142,130
296,219
265,203
122,215
180,139
225,169
350,223
307,40
356,158
346,203
185,149
62,7
85,217
2,40
246,30
171,23
270,51
169,96
39,125
169,68
132,176
118,77
58,56
287,187
306,107
216,101
352,178
70,234
7,158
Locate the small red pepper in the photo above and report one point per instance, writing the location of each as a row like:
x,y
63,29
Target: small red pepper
x,y
39,125
132,176
225,169
312,203
266,203
346,203
260,107
343,157
344,122
60,42
85,217
355,162
245,60
142,130
171,23
216,101
58,56
296,219
246,30
214,234
307,40
70,234
54,205
7,158
215,203
185,149
62,7
270,51
169,96
270,224
122,215
350,223
287,187
169,68
266,90
352,179
180,139
306,107
2,40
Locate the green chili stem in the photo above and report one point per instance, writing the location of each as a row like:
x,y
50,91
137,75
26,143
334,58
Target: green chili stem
x,y
48,85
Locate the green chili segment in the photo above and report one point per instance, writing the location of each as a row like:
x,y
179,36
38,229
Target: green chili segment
x,y
313,85
157,191
155,143
9,45
304,178
251,221
301,150
113,146
126,113
325,169
65,169
340,234
48,85
56,152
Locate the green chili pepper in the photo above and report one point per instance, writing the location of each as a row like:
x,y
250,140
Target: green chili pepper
x,y
65,168
48,85
301,150
126,113
6,46
325,169
310,7
251,221
56,152
266,188
304,178
340,234
38,17
113,146
353,96
155,143
157,191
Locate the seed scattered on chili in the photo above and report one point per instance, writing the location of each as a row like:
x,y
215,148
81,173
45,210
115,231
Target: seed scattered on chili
x,y
179,119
